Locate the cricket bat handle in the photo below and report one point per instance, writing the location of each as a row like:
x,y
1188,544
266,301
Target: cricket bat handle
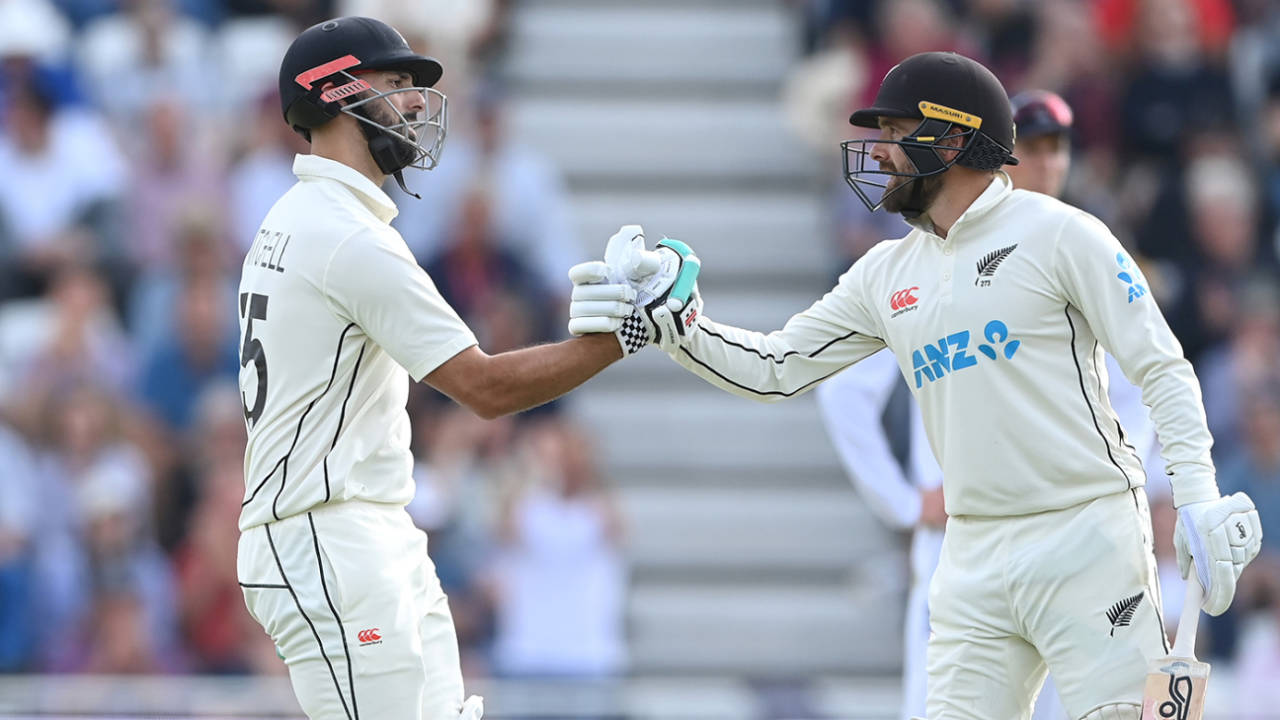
x,y
1185,644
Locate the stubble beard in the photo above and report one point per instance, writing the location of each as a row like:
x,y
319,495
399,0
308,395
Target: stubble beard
x,y
899,196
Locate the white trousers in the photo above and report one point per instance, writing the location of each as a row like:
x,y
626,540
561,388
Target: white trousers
x,y
1074,591
926,545
353,604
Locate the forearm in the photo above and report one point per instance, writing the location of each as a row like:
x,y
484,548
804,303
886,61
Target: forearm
x,y
774,366
525,378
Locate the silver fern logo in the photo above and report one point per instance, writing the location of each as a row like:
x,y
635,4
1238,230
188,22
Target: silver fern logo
x,y
1121,614
989,263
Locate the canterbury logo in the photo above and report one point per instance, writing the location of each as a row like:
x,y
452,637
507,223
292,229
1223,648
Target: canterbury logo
x,y
903,298
990,262
942,112
368,636
1121,614
1240,529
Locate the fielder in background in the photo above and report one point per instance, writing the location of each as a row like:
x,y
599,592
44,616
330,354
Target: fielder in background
x,y
854,403
335,317
998,306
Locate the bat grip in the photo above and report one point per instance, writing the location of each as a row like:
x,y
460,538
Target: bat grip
x,y
1184,645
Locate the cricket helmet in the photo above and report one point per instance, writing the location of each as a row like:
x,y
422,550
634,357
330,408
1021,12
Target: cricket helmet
x,y
943,90
338,51
1040,112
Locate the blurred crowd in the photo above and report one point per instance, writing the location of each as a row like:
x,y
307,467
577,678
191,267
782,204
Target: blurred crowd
x,y
1176,146
142,143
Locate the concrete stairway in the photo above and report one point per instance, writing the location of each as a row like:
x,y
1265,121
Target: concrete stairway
x,y
749,549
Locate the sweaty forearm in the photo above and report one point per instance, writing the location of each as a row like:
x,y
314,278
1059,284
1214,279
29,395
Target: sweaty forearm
x,y
525,378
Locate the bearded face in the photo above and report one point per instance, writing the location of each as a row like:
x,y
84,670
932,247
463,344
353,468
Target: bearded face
x,y
910,196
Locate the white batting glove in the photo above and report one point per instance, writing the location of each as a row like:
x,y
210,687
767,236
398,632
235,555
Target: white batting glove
x,y
1221,537
598,303
472,709
667,305
664,306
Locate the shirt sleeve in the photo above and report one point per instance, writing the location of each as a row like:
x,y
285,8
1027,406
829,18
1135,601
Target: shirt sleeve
x,y
835,332
372,280
1106,286
852,404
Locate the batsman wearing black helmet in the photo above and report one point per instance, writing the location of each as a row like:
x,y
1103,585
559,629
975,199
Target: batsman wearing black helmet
x,y
998,306
335,316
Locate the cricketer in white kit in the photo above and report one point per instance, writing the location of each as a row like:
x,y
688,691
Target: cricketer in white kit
x,y
335,317
998,305
902,496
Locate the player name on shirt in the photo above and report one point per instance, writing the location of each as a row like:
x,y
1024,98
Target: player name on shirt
x,y
268,249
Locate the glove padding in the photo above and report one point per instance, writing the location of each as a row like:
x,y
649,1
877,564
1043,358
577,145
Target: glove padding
x,y
664,305
1221,537
598,303
668,305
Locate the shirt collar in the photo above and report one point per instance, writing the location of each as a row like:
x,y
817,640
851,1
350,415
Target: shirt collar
x,y
1000,187
315,166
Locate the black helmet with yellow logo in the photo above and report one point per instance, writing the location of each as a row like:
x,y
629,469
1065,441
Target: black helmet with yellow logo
x,y
954,97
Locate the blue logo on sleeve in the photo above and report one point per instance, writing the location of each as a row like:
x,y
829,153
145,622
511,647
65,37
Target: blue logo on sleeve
x,y
951,353
1130,278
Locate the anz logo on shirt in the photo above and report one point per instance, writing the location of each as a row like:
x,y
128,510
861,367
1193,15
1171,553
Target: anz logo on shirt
x,y
1130,276
951,354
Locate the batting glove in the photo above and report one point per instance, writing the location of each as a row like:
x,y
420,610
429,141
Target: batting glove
x,y
1221,537
599,303
664,304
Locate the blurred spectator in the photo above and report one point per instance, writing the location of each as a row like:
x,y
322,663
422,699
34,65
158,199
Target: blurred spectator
x,y
59,192
1176,88
129,574
453,31
121,642
130,56
528,202
201,259
200,352
1228,373
300,13
33,30
215,435
94,530
560,581
173,178
1205,25
456,458
1256,469
33,47
214,622
1221,203
907,27
483,278
264,172
18,510
1269,160
81,341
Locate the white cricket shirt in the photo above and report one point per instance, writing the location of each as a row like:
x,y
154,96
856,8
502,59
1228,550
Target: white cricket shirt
x,y
999,330
335,316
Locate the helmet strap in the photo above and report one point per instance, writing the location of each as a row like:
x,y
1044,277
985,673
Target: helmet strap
x,y
391,152
399,176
